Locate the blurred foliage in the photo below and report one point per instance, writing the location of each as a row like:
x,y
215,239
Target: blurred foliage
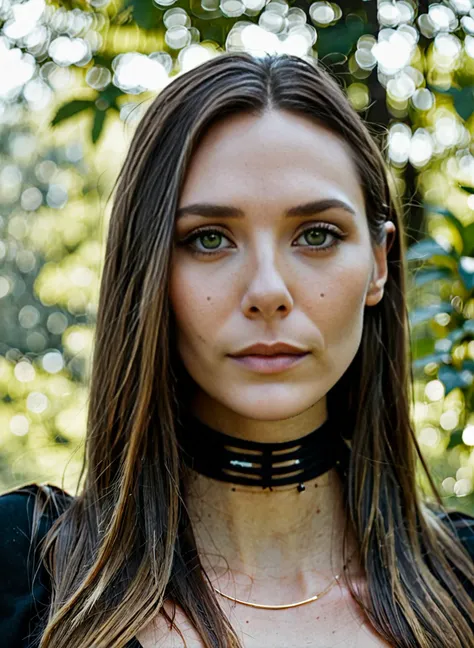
x,y
75,78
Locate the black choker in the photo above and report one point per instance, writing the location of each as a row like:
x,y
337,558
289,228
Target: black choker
x,y
229,459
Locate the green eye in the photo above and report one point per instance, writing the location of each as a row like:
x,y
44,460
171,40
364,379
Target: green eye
x,y
205,242
315,239
315,236
210,240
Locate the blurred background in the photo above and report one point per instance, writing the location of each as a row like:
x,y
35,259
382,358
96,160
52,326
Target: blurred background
x,y
75,78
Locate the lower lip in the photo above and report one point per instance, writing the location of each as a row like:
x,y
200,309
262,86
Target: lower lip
x,y
270,364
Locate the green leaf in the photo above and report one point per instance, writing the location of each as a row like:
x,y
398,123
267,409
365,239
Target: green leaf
x,y
447,214
111,93
425,276
466,272
469,365
452,378
97,126
464,102
425,249
456,335
459,334
467,236
103,59
421,346
144,13
438,357
469,240
455,439
463,99
342,37
420,315
468,326
72,108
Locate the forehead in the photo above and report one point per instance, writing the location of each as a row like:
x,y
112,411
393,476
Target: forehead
x,y
271,157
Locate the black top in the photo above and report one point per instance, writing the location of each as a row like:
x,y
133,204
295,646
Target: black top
x,y
22,601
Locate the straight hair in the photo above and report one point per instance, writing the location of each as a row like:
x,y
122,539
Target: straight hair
x,y
123,545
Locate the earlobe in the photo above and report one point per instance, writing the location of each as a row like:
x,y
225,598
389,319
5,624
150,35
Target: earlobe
x,y
375,292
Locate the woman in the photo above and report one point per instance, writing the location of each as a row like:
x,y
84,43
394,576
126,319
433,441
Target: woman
x,y
250,467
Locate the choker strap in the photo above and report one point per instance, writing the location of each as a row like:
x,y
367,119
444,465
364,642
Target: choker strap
x,y
255,463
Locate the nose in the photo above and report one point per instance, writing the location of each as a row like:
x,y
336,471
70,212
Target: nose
x,y
267,293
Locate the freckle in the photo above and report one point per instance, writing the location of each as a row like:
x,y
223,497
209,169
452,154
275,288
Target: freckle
x,y
315,485
208,299
322,294
246,622
318,510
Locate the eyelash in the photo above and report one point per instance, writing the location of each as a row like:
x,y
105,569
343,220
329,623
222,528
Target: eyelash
x,y
188,240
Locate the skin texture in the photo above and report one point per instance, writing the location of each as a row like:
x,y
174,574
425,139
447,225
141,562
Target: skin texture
x,y
268,282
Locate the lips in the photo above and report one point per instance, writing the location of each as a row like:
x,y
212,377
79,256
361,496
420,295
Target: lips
x,y
275,349
271,363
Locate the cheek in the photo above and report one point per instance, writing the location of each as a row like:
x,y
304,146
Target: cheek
x,y
194,305
336,303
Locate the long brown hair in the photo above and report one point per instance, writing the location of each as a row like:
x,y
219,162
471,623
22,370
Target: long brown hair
x,y
124,544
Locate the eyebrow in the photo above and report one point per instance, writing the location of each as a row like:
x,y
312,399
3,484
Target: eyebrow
x,y
211,210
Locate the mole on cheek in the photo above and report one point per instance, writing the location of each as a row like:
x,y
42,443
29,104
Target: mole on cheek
x,y
208,299
322,294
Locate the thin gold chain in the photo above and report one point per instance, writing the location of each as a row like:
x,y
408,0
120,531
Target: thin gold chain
x,y
289,605
281,607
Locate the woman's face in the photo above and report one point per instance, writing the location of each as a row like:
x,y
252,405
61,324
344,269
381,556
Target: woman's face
x,y
246,272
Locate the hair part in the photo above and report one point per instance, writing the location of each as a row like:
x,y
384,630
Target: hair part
x,y
124,544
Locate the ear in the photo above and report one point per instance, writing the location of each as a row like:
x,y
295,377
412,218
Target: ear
x,y
380,273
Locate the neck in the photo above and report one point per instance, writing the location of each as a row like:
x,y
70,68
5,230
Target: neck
x,y
249,536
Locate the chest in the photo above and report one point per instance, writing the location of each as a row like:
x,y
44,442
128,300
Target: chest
x,y
338,623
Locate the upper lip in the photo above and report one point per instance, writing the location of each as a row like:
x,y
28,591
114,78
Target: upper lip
x,y
270,349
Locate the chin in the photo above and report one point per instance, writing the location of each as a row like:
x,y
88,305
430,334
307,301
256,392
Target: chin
x,y
283,403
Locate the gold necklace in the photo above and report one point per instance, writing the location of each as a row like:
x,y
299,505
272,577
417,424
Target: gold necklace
x,y
289,605
280,607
